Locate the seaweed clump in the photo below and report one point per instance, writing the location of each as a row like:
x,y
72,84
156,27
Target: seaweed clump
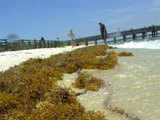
x,y
29,91
61,104
29,84
107,62
88,82
85,58
120,54
7,102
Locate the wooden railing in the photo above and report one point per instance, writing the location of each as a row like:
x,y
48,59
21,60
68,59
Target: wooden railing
x,y
5,45
112,38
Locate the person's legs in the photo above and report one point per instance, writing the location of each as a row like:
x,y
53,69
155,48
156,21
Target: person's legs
x,y
72,43
105,42
105,38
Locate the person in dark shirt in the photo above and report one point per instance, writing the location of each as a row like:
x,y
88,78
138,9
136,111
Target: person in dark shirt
x,y
103,32
43,43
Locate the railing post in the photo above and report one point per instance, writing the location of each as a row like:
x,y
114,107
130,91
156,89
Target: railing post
x,y
124,37
6,44
86,42
153,31
0,44
55,44
133,36
96,42
115,39
47,44
35,44
143,35
156,32
29,44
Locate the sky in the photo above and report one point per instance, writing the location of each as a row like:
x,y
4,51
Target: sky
x,y
31,19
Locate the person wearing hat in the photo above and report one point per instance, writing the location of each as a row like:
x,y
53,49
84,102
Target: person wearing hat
x,y
103,32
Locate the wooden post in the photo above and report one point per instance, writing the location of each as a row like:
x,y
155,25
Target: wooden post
x,y
86,42
52,43
55,44
6,44
0,44
115,39
124,37
153,31
47,44
133,36
143,35
156,32
44,44
29,43
35,44
39,44
96,42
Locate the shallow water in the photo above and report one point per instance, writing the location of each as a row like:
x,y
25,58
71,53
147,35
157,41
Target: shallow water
x,y
92,101
136,83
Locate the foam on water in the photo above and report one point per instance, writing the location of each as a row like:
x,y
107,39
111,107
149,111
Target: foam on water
x,y
141,44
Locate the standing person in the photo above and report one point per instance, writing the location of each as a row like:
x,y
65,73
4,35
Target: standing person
x,y
43,43
103,32
72,37
153,30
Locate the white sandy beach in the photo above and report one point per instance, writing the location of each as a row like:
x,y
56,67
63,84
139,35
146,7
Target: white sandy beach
x,y
12,58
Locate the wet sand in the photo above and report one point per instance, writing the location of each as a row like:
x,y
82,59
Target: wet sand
x,y
135,86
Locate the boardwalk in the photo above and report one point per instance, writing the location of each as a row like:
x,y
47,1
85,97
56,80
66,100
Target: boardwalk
x,y
151,31
114,37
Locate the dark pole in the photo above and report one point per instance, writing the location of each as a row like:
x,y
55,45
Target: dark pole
x,y
96,42
35,43
114,39
86,42
124,37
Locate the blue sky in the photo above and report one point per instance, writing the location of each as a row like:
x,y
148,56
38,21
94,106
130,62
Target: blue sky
x,y
31,19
